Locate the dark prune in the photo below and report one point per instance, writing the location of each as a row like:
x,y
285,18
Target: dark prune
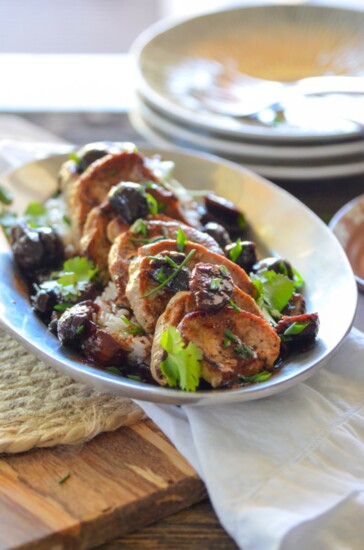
x,y
76,323
90,153
225,213
162,268
295,306
100,347
217,232
36,249
298,331
211,287
278,265
243,253
129,201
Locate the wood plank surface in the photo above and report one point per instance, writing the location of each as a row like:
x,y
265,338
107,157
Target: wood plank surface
x,y
117,483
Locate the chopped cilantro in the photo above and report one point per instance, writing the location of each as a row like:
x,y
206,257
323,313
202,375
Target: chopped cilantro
x,y
134,377
62,307
139,226
224,270
241,221
36,214
235,251
35,209
5,196
7,220
294,329
113,370
66,219
153,206
256,378
234,306
173,275
76,159
241,349
182,367
71,281
80,329
274,292
298,280
215,283
181,239
133,328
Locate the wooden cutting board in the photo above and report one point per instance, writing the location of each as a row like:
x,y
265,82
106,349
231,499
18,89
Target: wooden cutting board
x,y
114,484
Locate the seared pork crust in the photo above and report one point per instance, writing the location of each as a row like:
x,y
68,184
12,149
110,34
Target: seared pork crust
x,y
127,245
92,187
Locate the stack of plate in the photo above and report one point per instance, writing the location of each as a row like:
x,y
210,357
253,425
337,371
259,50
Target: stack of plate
x,y
188,71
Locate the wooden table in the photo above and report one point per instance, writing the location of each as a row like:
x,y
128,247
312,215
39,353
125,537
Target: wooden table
x,y
196,526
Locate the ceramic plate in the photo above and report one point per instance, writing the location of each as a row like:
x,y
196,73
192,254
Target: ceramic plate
x,y
309,245
179,61
165,133
288,153
348,227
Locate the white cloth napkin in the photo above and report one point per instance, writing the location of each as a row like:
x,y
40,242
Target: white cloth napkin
x,y
284,472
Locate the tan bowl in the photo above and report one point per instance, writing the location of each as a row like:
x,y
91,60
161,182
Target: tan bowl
x,y
348,226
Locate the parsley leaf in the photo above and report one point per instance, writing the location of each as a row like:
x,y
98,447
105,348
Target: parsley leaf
x,y
71,281
274,289
182,367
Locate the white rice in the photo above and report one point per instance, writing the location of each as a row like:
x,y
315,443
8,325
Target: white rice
x,y
110,318
57,212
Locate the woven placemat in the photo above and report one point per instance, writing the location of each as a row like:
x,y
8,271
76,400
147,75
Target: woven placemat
x,y
40,407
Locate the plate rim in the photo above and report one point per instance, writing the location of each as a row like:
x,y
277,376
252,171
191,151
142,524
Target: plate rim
x,y
204,121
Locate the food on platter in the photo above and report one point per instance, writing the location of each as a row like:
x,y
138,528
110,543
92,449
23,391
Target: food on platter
x,y
142,277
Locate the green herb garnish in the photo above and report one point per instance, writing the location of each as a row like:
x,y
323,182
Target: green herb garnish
x,y
113,370
181,239
139,226
62,307
235,251
64,478
241,221
298,280
153,206
73,156
215,283
234,306
173,275
134,377
294,329
133,328
241,349
66,219
274,292
224,270
5,196
71,281
182,367
256,378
